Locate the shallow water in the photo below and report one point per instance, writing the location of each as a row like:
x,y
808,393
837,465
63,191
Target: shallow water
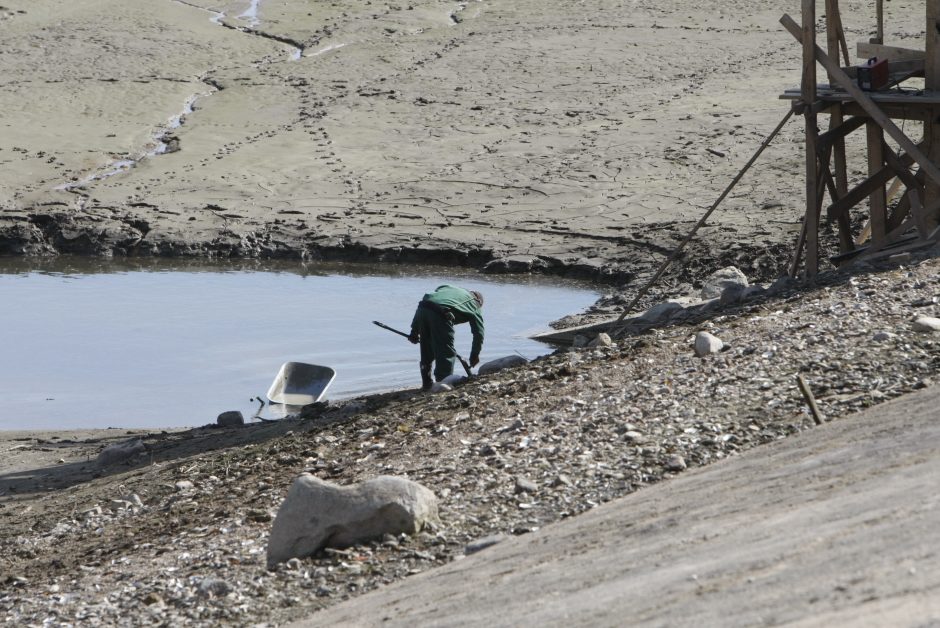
x,y
160,346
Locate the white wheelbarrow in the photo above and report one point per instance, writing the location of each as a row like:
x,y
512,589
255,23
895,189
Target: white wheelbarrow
x,y
299,384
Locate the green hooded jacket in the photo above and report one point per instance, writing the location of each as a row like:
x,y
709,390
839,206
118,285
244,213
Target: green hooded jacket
x,y
465,309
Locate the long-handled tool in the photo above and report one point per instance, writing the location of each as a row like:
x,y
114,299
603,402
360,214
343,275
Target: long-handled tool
x,y
463,363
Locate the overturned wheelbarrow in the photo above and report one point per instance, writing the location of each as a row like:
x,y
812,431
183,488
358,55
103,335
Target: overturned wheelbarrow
x,y
299,384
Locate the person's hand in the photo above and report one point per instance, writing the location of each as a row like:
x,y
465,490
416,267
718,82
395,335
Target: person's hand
x,y
413,338
474,360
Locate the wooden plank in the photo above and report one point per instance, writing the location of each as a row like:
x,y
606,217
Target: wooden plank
x,y
830,94
867,50
878,202
878,116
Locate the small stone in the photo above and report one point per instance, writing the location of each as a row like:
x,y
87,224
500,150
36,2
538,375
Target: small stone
x,y
480,544
675,462
213,587
882,336
232,418
439,387
634,436
525,485
706,343
926,324
184,485
602,340
260,516
152,598
717,282
562,480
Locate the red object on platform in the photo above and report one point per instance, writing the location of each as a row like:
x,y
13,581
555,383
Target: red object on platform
x,y
873,74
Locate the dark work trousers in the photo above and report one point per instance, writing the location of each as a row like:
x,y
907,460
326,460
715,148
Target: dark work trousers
x,y
437,341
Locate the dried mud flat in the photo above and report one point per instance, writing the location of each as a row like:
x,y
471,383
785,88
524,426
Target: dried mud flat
x,y
513,135
507,454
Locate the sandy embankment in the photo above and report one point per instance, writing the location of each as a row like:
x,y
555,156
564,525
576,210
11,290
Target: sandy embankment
x,y
521,131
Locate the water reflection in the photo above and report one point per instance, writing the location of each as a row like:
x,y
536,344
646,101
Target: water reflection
x,y
146,343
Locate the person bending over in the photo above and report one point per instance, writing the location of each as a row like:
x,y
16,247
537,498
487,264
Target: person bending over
x,y
433,327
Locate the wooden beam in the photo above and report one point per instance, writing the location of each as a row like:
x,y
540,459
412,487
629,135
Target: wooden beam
x,y
863,190
891,53
838,132
877,115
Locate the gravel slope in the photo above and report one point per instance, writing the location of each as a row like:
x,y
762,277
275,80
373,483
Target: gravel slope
x,y
507,454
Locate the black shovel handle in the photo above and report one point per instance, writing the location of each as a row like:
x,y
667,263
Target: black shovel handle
x,y
463,363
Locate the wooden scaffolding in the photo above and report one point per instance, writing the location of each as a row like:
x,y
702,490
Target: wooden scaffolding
x,y
902,188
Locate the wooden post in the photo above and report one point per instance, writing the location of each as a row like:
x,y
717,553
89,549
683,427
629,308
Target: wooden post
x,y
880,11
877,200
808,96
932,119
833,30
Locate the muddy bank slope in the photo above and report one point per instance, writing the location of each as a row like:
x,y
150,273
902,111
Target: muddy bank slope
x,y
519,133
837,526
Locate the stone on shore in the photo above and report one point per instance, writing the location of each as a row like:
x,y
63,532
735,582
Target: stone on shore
x,y
661,312
706,343
602,340
231,418
121,452
720,280
494,366
926,324
318,514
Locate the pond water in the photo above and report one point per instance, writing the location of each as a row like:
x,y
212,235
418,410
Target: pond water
x,y
87,344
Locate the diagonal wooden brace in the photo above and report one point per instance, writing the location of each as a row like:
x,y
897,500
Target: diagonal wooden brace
x,y
877,115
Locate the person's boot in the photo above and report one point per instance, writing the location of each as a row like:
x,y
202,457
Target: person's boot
x,y
426,380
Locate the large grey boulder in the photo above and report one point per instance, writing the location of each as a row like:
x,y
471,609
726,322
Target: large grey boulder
x,y
718,281
317,514
230,418
501,363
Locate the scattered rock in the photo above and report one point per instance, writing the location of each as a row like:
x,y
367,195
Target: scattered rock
x,y
525,485
184,485
152,598
494,366
317,514
232,418
602,340
121,452
439,387
454,379
481,544
732,294
213,587
718,281
675,463
926,324
706,343
882,336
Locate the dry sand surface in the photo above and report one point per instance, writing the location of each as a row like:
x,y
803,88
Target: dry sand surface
x,y
583,135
